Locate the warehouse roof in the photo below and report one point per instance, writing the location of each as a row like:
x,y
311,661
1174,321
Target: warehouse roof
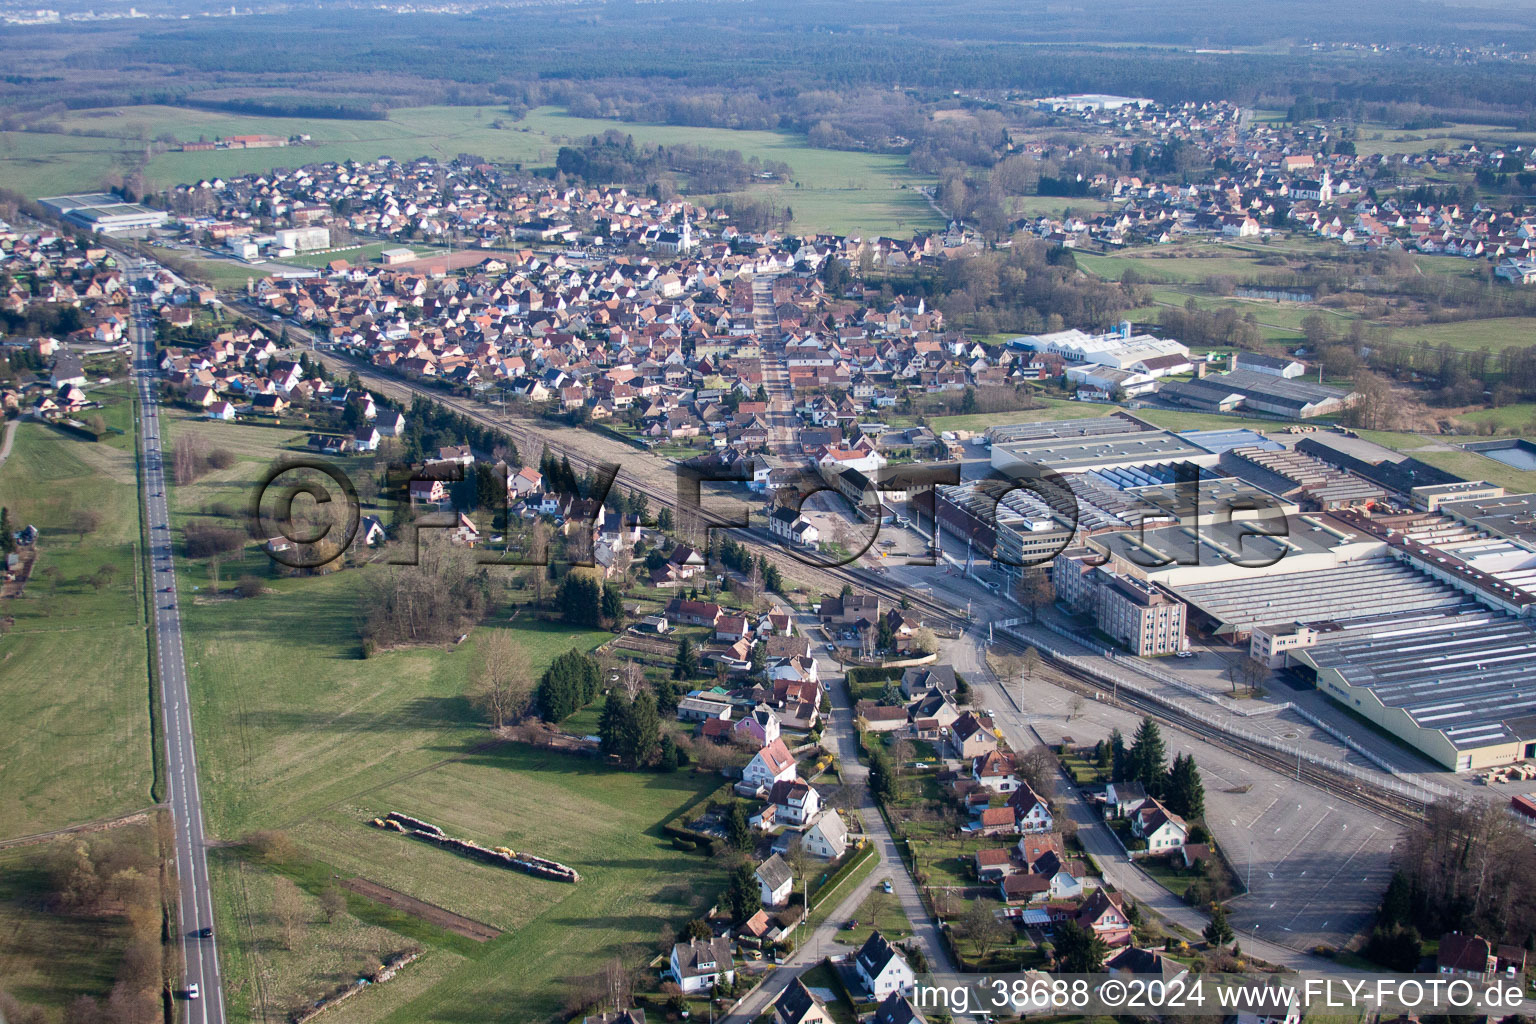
x,y
1240,543
1267,387
1345,591
1071,454
1512,516
1467,677
1119,423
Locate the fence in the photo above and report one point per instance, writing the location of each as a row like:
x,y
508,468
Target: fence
x,y
1406,787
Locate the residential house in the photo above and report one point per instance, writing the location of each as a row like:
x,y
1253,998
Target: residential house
x,y
1161,828
1145,963
993,862
1277,1005
796,801
775,881
971,736
773,763
1123,798
882,968
798,1005
694,613
762,725
995,771
1472,956
1104,915
992,821
921,678
896,1008
1031,811
698,965
882,718
827,836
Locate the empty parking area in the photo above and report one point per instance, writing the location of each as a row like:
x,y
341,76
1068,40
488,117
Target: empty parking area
x,y
1317,866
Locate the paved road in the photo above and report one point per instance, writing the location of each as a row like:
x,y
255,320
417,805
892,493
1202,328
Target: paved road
x,y
811,948
200,954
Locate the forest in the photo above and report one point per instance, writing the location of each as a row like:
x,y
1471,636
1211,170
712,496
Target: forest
x,y
613,157
844,69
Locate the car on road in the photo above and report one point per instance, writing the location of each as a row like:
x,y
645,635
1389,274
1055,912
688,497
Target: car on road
x,y
831,648
1184,654
204,932
192,991
887,886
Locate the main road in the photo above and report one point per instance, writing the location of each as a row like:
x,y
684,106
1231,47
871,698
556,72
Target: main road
x,y
200,953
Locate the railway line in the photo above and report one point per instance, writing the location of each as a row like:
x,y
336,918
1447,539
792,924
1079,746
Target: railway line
x,y
531,437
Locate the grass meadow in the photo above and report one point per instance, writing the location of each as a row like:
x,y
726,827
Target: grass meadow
x,y
298,732
74,665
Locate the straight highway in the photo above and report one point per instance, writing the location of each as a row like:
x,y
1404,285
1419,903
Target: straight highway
x,y
202,988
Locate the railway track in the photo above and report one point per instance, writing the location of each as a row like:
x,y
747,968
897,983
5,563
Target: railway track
x,y
530,437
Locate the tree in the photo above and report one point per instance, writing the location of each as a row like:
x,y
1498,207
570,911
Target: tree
x,y
1147,756
924,640
737,828
1035,591
1078,949
613,722
7,535
570,682
502,684
84,521
667,762
982,926
333,901
288,910
641,731
613,605
1120,758
580,596
1029,661
742,897
1218,933
687,664
1184,792
1253,672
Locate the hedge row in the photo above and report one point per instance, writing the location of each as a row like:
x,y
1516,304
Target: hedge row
x,y
848,867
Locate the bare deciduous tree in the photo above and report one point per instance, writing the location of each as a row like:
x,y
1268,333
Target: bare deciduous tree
x,y
502,683
288,911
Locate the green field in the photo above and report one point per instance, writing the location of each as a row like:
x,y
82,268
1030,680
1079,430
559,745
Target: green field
x,y
75,683
1492,335
1185,265
1375,137
831,191
298,732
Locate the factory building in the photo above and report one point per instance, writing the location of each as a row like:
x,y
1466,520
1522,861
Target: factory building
x,y
105,214
1258,392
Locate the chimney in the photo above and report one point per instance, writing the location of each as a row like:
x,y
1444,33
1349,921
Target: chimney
x,y
1200,368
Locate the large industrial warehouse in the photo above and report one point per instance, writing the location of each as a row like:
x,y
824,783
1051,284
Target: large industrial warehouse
x,y
1460,689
